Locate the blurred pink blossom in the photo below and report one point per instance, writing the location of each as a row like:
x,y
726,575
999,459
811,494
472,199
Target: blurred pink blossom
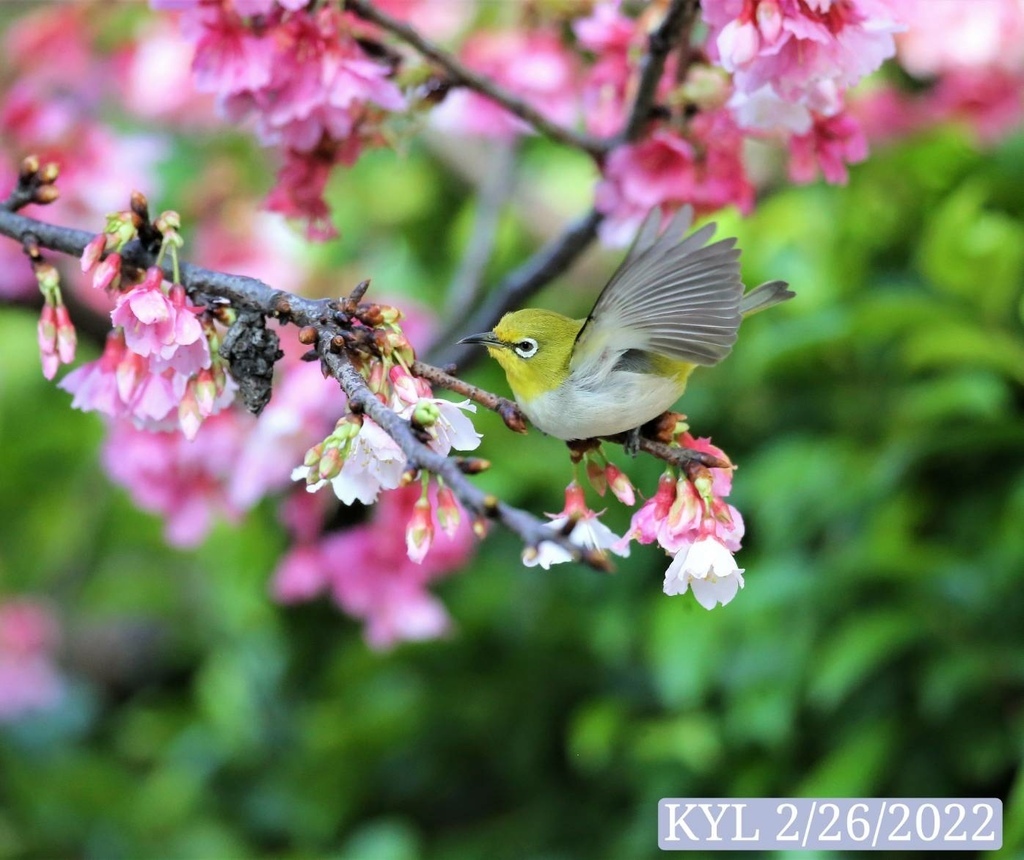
x,y
29,680
831,144
183,481
611,37
532,64
369,574
669,171
806,50
961,34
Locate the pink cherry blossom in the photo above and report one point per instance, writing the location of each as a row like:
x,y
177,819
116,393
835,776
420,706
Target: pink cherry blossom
x,y
669,171
229,57
183,481
831,144
146,315
370,576
299,192
708,569
588,533
302,76
94,385
803,53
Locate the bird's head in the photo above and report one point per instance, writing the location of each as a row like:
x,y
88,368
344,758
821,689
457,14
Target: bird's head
x,y
533,347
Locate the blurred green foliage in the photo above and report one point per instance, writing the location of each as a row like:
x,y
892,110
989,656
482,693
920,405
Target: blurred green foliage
x,y
877,649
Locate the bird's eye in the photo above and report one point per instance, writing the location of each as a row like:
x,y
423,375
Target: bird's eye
x,y
526,348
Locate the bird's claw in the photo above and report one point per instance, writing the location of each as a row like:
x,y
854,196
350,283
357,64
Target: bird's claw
x,y
631,445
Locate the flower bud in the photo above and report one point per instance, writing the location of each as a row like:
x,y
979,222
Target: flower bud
x,y
738,44
169,221
108,273
426,413
447,511
189,416
331,463
621,486
46,329
313,455
67,339
45,194
93,251
769,20
48,278
403,384
206,391
49,172
419,534
389,314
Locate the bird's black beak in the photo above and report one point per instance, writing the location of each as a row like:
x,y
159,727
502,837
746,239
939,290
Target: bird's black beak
x,y
487,338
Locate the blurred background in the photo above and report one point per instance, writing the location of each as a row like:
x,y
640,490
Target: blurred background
x,y
877,649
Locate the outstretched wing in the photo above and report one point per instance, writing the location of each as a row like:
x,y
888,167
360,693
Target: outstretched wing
x,y
672,296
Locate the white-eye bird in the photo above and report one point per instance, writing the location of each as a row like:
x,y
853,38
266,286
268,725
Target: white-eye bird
x,y
673,304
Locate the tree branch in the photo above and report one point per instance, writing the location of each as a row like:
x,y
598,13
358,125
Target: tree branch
x,y
464,76
679,18
419,456
325,315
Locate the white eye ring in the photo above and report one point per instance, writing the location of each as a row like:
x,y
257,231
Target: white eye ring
x,y
526,348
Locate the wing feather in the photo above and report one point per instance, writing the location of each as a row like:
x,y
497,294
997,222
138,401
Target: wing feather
x,y
673,295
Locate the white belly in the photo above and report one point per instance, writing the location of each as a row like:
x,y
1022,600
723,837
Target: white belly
x,y
621,403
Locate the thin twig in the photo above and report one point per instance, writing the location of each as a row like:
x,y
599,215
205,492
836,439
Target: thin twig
x,y
464,76
679,18
505,408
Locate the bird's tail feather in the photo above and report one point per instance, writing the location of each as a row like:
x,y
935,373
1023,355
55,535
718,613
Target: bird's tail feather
x,y
764,296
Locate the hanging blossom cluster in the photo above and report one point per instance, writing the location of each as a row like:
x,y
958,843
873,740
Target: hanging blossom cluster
x,y
160,366
372,575
303,77
687,517
359,459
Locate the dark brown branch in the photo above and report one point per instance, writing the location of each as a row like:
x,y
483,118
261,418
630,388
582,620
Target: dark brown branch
x,y
322,315
678,20
463,76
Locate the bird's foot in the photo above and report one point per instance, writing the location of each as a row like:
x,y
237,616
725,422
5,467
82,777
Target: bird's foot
x,y
631,444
